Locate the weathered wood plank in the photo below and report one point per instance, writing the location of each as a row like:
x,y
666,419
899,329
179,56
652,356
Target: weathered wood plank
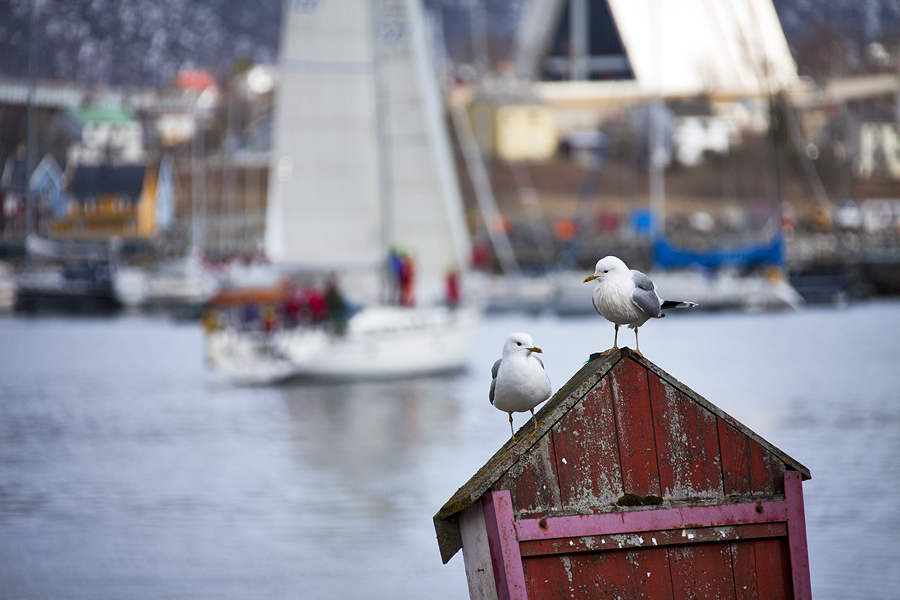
x,y
608,576
579,577
634,423
796,518
545,578
735,465
653,580
652,539
636,521
477,554
766,470
687,445
773,569
702,571
743,559
587,453
533,481
504,547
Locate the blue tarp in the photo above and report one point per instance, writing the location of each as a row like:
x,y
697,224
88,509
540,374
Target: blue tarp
x,y
742,256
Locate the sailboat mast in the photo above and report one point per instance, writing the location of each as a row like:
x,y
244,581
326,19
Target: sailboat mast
x,y
656,122
385,189
31,157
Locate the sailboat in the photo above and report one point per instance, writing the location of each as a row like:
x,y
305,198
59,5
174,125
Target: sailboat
x,y
361,166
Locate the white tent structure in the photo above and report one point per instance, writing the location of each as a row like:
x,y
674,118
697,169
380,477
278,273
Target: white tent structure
x,y
671,47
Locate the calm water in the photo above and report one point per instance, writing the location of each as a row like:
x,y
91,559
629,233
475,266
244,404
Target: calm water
x,y
128,471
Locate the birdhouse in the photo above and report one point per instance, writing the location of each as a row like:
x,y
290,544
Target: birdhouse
x,y
632,486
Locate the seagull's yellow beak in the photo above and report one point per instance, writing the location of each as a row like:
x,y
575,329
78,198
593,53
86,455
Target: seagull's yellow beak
x,y
590,278
536,349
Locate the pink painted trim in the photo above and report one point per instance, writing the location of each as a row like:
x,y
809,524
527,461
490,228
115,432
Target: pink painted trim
x,y
651,520
796,524
499,520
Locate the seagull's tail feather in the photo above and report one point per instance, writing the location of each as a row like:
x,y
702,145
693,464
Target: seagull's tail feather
x,y
677,304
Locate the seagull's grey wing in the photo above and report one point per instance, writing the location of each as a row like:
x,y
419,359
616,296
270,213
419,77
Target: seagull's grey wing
x,y
494,370
540,361
644,294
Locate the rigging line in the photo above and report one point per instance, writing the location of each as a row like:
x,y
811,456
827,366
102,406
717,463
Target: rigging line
x,y
588,192
382,99
530,200
761,68
483,193
809,169
715,20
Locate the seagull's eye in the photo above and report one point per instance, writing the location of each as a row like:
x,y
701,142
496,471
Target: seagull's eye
x,y
606,270
518,343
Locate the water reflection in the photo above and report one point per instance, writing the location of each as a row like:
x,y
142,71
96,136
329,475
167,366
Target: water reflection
x,y
370,442
126,471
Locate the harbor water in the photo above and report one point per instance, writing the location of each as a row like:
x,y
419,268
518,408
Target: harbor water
x,y
128,470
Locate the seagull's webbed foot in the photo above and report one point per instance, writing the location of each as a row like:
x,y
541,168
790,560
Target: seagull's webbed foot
x,y
534,418
596,355
614,348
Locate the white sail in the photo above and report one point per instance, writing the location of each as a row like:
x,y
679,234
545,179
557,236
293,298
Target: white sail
x,y
324,190
362,162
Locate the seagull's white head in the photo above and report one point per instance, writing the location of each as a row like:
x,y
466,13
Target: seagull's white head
x,y
607,267
519,343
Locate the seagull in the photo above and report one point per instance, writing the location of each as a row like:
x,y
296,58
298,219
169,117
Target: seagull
x,y
627,297
519,380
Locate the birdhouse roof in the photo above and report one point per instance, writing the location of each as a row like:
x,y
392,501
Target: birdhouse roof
x,y
621,425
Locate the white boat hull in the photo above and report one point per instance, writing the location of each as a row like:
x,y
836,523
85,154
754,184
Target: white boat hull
x,y
245,358
382,342
8,289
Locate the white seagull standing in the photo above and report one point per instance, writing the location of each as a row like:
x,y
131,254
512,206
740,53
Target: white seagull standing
x,y
627,297
519,380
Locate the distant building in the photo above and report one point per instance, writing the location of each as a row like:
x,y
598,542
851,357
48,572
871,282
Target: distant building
x,y
98,135
697,131
125,200
512,124
108,188
879,149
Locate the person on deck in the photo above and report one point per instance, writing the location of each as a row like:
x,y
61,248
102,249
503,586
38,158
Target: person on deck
x,y
407,280
336,306
452,287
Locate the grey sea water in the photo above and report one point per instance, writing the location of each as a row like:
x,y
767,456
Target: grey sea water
x,y
127,470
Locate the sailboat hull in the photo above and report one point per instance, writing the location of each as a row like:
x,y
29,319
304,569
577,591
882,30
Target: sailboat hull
x,y
379,343
247,359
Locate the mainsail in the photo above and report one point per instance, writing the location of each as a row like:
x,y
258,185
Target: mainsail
x,y
361,160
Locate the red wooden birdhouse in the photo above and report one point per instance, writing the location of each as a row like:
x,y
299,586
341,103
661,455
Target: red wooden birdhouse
x,y
633,486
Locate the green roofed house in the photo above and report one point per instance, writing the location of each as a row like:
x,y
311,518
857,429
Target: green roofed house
x,y
112,191
95,135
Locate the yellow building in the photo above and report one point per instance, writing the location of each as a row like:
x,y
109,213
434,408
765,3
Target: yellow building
x,y
513,126
128,201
